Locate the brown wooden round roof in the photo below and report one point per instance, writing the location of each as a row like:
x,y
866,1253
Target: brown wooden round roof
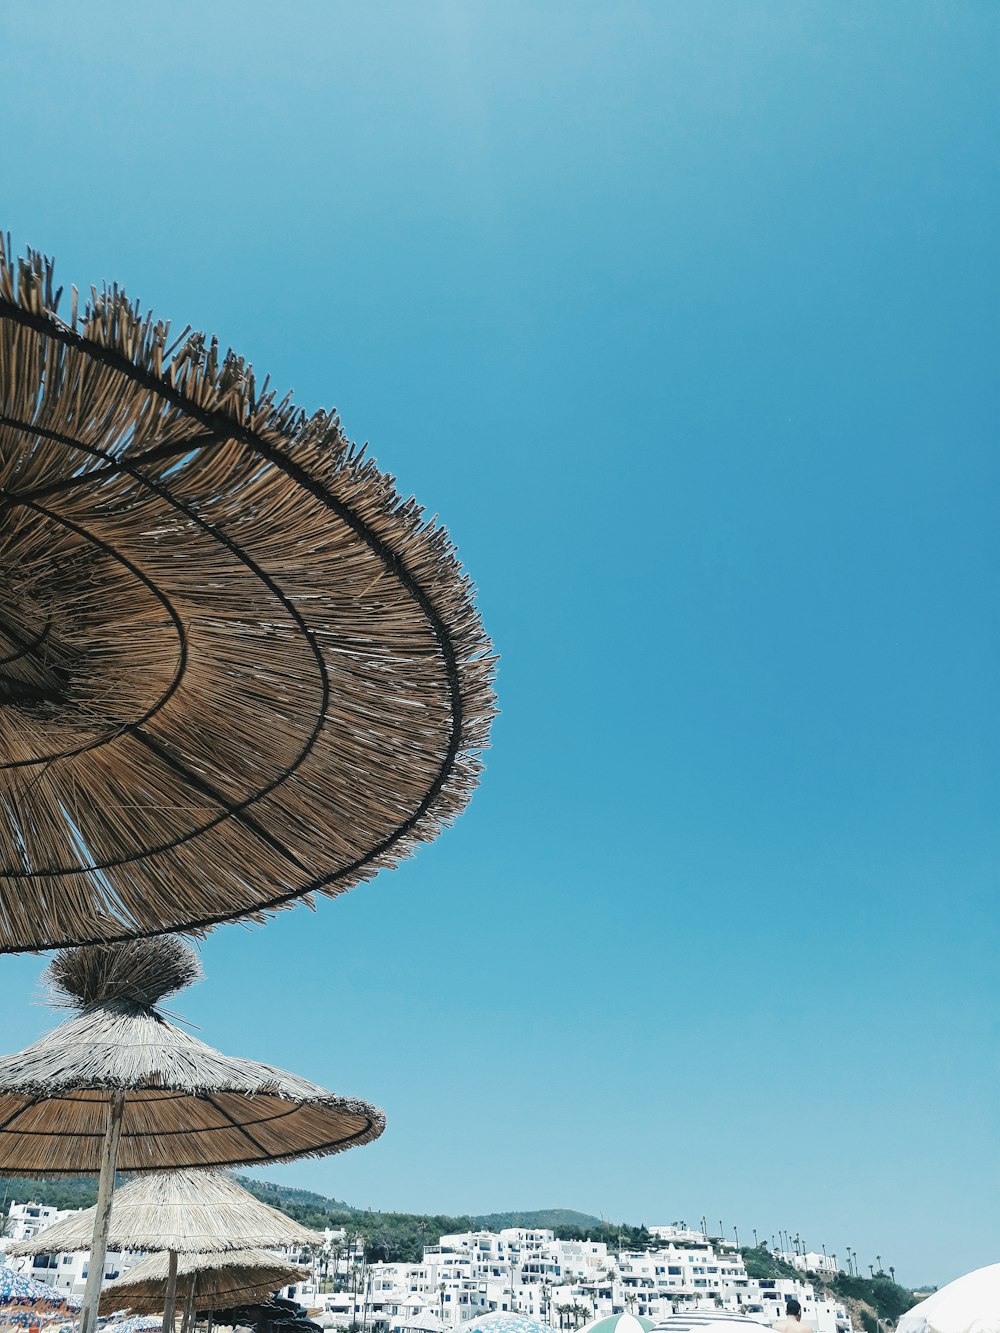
x,y
186,1104
189,1212
236,668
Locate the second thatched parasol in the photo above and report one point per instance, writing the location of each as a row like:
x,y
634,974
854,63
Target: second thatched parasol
x,y
177,1213
119,1086
183,1212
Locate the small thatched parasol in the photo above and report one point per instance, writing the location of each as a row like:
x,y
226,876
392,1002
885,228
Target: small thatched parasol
x,y
236,669
209,1281
176,1213
424,1322
118,1085
180,1212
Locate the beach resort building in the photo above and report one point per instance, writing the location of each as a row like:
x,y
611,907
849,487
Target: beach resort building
x,y
525,1272
563,1284
68,1272
25,1220
810,1262
677,1231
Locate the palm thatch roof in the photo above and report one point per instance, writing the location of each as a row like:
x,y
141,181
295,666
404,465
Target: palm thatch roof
x,y
190,1212
221,1281
426,1321
186,1105
236,668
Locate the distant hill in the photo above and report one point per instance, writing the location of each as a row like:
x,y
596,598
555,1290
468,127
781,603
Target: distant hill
x,y
401,1237
279,1196
550,1219
386,1235
75,1192
297,1201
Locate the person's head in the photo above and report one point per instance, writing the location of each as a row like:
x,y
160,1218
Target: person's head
x,y
792,1308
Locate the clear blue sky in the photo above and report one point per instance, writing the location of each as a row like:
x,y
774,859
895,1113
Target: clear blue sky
x,y
683,317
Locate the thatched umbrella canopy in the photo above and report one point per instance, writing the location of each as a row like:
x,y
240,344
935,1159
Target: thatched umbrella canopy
x,y
184,1212
119,1086
425,1322
208,1281
236,669
184,1104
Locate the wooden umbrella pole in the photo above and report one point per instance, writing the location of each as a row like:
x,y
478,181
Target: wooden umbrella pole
x,y
102,1221
171,1298
188,1323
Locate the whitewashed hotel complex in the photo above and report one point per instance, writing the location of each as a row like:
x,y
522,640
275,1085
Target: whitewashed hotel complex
x,y
561,1283
569,1283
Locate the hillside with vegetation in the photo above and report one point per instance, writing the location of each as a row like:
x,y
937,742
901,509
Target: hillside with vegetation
x,y
76,1192
870,1299
386,1237
401,1237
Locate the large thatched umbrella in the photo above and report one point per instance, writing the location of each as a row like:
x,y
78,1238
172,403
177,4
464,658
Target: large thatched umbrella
x,y
236,669
118,1085
207,1281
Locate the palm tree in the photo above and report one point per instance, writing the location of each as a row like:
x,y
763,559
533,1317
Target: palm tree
x,y
547,1301
335,1249
315,1253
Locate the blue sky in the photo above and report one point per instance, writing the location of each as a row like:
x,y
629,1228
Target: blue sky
x,y
682,317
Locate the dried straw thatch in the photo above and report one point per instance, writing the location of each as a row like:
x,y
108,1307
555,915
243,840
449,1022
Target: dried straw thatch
x,y
186,1104
220,1281
136,971
189,1212
236,669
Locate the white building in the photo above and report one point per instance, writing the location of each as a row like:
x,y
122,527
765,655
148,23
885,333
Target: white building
x,y
810,1262
677,1231
531,1273
520,1270
25,1220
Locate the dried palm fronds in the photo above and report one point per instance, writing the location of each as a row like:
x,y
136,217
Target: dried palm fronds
x,y
134,971
189,1212
221,1281
185,1104
236,669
